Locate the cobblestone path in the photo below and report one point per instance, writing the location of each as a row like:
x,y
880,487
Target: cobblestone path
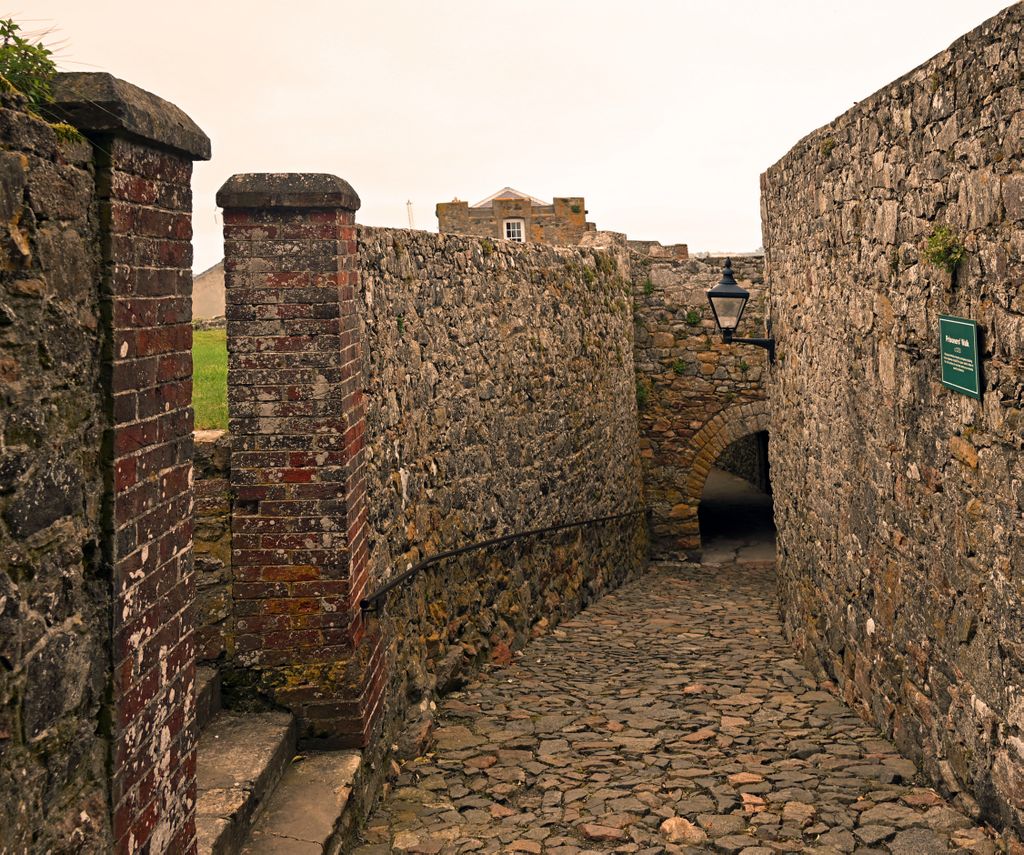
x,y
667,717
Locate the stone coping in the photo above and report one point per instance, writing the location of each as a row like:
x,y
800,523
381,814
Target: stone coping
x,y
97,102
287,190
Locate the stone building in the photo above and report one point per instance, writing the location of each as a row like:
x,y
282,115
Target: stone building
x,y
512,215
208,293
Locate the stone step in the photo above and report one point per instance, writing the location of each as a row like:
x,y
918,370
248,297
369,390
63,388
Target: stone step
x,y
207,695
241,758
306,814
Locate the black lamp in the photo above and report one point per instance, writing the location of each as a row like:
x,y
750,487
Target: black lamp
x,y
728,300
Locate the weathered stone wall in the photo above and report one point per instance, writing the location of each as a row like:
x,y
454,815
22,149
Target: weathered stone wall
x,y
96,656
212,534
899,502
54,597
500,397
696,395
747,457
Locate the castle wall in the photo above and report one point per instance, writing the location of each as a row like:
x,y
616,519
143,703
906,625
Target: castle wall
x,y
696,395
899,502
499,398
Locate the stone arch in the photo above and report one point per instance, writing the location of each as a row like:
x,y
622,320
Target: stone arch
x,y
712,439
704,448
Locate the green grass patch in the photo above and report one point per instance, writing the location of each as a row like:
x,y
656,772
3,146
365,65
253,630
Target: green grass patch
x,y
210,379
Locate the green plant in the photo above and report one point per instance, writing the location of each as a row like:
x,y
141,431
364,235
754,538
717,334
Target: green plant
x,y
743,366
943,249
693,317
26,66
66,132
826,146
679,366
643,394
487,246
401,325
575,208
589,276
648,286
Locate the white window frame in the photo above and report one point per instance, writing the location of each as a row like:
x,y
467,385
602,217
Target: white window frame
x,y
514,222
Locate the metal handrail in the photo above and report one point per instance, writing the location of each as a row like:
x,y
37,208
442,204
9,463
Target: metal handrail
x,y
371,602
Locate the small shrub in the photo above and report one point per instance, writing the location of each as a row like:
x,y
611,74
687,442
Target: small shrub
x,y
827,145
487,247
66,132
944,249
589,276
679,366
401,325
575,208
693,317
743,366
26,66
643,394
648,287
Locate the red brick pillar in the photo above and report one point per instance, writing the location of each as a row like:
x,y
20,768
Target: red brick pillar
x,y
299,553
144,152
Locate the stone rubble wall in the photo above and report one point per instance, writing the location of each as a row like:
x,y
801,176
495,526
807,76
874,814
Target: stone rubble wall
x,y
747,459
54,599
691,387
500,397
212,517
900,503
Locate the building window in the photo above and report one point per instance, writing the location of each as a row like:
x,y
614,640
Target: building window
x,y
515,230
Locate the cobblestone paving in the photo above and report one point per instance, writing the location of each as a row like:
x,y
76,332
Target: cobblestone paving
x,y
668,717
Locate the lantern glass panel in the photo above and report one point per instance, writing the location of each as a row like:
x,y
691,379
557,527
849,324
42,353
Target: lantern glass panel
x,y
728,309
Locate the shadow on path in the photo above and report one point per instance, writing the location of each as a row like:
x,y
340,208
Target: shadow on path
x,y
670,716
736,520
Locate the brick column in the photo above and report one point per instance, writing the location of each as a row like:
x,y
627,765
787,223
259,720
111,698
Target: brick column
x,y
144,149
299,553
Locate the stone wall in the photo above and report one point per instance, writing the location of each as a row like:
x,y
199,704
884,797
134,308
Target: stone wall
x,y
899,502
54,597
747,457
212,519
499,398
96,657
696,395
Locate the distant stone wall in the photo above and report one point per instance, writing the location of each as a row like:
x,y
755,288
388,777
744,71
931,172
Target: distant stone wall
x,y
500,397
747,458
696,394
899,502
54,601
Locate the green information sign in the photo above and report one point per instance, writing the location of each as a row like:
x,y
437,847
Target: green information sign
x,y
958,350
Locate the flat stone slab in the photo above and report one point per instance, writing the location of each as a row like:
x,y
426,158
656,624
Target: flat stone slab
x,y
240,759
304,815
669,717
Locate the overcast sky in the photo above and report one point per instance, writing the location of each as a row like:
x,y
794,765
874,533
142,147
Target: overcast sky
x,y
661,114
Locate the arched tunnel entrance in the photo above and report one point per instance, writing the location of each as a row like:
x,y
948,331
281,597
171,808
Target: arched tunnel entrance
x,y
735,511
